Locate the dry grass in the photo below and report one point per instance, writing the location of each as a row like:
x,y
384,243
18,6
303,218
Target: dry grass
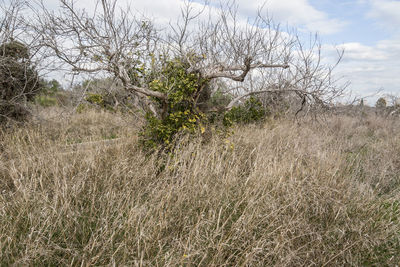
x,y
285,194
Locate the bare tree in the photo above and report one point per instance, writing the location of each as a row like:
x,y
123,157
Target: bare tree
x,y
108,41
257,57
252,56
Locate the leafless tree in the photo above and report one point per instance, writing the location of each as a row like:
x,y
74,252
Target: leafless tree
x,y
256,56
253,56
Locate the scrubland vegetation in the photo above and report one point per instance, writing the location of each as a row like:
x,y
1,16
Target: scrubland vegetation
x,y
81,191
213,142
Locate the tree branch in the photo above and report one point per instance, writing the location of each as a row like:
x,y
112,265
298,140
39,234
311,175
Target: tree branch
x,y
237,99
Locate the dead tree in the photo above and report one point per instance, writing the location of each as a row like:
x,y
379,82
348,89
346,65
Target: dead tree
x,y
253,57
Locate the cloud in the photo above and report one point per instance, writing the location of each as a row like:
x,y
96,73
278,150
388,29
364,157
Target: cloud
x,y
386,12
297,13
369,68
357,51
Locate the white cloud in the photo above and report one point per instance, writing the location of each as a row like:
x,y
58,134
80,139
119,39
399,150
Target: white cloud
x,y
386,12
370,68
299,13
357,51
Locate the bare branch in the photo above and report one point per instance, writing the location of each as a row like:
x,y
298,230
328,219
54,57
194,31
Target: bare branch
x,y
213,42
237,99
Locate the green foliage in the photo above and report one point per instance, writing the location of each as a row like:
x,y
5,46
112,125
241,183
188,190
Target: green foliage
x,y
14,49
162,131
179,112
81,108
178,84
50,93
219,99
52,87
45,101
107,93
100,100
381,103
251,111
96,99
19,81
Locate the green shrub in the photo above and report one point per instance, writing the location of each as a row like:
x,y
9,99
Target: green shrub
x,y
96,99
81,108
51,94
251,111
19,81
219,99
381,103
51,88
180,114
45,101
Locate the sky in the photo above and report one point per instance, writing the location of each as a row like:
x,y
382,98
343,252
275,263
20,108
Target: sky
x,y
368,31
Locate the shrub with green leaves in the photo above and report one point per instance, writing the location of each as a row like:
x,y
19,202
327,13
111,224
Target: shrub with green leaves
x,y
96,99
52,87
19,81
180,114
45,101
251,111
50,93
381,103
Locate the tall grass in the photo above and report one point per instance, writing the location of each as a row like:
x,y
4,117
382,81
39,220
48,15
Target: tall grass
x,y
280,194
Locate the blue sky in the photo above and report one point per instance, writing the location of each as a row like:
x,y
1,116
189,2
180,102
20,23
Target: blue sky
x,y
359,27
371,38
368,30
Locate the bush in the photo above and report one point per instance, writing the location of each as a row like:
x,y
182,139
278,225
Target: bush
x,y
112,93
180,112
251,111
51,94
96,99
46,101
19,81
381,103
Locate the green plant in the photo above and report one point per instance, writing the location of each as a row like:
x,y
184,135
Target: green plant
x,y
19,81
381,103
51,94
96,99
180,114
251,111
219,99
81,108
45,100
51,88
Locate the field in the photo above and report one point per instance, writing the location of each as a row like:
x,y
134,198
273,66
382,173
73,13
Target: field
x,y
79,191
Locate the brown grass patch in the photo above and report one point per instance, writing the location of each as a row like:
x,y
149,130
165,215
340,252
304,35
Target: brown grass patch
x,y
284,194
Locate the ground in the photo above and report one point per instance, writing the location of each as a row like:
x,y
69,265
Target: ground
x,y
78,190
